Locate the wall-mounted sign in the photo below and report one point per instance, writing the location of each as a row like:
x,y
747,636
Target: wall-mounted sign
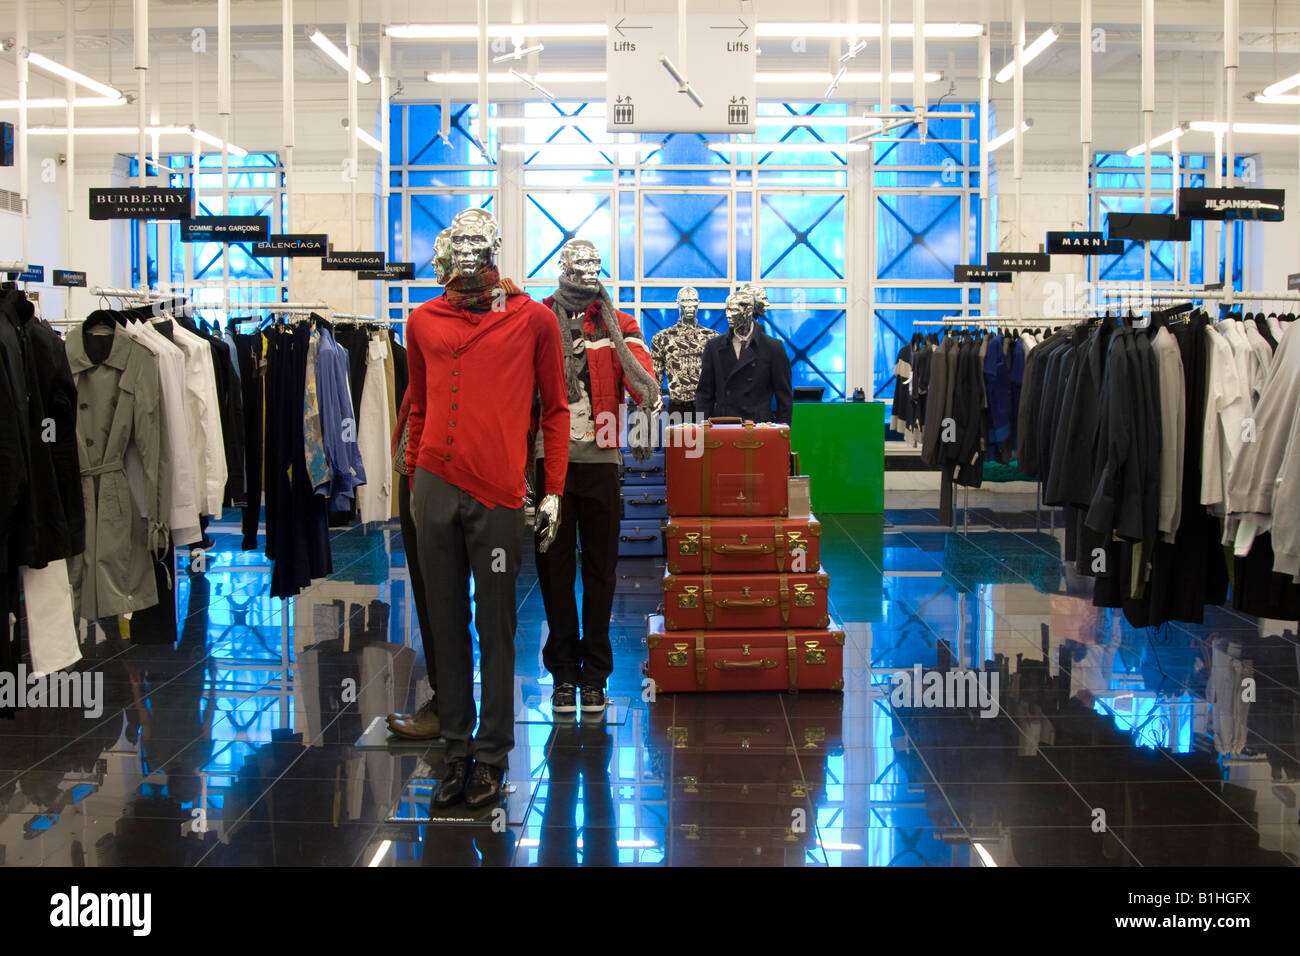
x,y
30,274
1267,205
973,273
141,202
352,261
391,272
70,279
1020,261
6,144
225,228
1082,244
292,244
1155,227
720,64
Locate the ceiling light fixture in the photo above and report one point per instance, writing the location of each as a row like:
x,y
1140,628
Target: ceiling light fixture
x,y
533,83
835,83
45,64
795,76
334,53
786,147
135,131
594,76
569,31
518,53
58,102
584,147
1281,86
849,31
1277,99
854,51
1046,39
366,138
1265,129
1158,141
999,141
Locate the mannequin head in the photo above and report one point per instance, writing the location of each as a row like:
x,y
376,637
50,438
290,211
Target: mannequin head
x,y
758,295
475,241
443,267
580,263
740,313
688,303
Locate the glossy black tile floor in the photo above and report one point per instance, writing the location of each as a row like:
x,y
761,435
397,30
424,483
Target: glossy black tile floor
x,y
247,743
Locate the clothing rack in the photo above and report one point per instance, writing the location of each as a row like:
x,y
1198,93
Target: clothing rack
x,y
146,295
354,317
955,321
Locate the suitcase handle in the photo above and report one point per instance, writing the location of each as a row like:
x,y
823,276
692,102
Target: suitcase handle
x,y
766,664
743,548
636,537
647,501
746,602
726,420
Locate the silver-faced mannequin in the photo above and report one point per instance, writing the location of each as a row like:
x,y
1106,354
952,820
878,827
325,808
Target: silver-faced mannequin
x,y
688,304
443,268
759,296
580,262
740,313
475,241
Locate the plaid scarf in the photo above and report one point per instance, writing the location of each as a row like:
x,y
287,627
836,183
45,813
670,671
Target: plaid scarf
x,y
477,293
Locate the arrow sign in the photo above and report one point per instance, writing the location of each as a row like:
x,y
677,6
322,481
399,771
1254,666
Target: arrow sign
x,y
744,27
620,28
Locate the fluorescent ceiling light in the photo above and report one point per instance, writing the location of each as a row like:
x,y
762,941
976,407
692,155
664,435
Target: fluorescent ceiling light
x,y
597,146
135,131
857,31
1281,86
1266,129
1157,141
795,76
854,51
835,83
58,102
1277,99
47,65
985,856
334,53
469,31
518,53
594,76
1006,137
533,83
1050,36
786,147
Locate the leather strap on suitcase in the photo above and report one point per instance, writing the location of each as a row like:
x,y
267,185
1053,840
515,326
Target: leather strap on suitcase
x,y
748,444
701,665
791,663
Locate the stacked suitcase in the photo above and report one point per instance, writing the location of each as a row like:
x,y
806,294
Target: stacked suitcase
x,y
645,505
745,599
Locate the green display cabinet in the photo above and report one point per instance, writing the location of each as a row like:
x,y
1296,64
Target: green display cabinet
x,y
841,447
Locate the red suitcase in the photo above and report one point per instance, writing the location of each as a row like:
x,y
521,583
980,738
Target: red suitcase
x,y
750,601
789,660
725,467
701,545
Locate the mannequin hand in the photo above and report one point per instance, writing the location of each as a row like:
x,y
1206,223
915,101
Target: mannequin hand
x,y
548,521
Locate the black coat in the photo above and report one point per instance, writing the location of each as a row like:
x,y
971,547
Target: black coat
x,y
756,386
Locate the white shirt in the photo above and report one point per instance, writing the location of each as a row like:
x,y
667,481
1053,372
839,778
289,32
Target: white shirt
x,y
1226,408
203,410
739,343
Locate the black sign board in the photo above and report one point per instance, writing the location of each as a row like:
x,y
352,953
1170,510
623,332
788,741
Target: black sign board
x,y
291,245
392,271
1082,244
31,274
1020,261
1267,205
1155,227
6,144
973,273
225,228
141,202
73,280
1293,282
352,261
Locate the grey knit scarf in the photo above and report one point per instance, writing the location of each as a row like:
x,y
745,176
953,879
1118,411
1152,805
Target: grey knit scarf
x,y
575,299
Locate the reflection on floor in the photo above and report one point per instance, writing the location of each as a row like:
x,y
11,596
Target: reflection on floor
x,y
243,744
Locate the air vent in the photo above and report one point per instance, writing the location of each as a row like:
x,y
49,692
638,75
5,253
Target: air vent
x,y
10,201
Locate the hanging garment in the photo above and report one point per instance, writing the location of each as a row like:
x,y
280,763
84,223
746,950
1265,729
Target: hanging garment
x,y
252,374
204,410
338,424
119,398
390,387
51,630
1228,404
1173,404
373,431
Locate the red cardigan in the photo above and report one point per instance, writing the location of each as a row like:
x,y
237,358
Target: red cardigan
x,y
472,379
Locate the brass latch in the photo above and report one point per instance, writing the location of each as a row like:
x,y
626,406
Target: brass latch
x,y
677,736
678,657
692,830
814,737
744,650
804,597
691,545
689,598
813,653
690,784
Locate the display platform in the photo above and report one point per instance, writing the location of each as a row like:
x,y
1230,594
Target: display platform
x,y
841,446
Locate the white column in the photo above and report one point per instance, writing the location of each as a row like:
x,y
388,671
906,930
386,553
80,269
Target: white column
x,y
142,74
1230,44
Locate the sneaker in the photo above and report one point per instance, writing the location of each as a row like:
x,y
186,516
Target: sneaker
x,y
484,786
593,700
564,699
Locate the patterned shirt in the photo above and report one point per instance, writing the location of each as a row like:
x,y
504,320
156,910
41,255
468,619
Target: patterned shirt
x,y
677,350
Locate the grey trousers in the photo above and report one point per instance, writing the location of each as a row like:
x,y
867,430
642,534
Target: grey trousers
x,y
457,536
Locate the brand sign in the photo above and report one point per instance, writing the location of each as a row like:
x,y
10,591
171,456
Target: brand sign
x,y
1083,244
70,279
973,273
392,271
225,228
352,261
1020,261
1267,205
141,202
292,244
31,274
1155,227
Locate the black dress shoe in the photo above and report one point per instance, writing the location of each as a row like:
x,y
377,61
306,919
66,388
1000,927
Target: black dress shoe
x,y
451,789
485,786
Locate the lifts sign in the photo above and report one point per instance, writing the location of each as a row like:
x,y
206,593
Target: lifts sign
x,y
1266,205
141,202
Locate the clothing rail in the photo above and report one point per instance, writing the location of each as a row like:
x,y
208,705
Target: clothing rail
x,y
147,294
355,317
1213,295
990,320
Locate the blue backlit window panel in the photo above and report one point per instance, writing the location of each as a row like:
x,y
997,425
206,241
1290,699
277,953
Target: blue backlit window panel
x,y
814,340
430,213
918,235
801,235
684,235
553,218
